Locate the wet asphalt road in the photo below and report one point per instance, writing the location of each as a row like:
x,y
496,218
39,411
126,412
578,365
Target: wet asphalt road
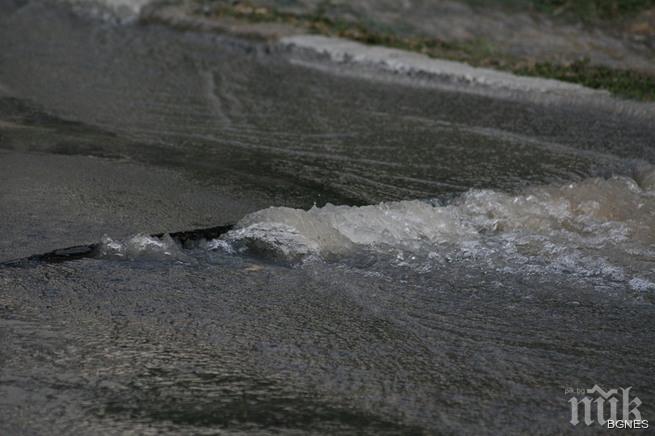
x,y
118,130
236,124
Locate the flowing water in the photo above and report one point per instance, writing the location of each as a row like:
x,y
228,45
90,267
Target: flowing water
x,y
402,257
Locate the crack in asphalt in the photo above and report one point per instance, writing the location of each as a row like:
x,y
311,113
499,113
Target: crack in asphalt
x,y
185,238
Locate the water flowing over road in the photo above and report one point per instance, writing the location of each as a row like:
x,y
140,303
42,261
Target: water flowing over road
x,y
401,255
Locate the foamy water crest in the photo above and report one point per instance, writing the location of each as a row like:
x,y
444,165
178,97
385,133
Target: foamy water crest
x,y
140,247
599,228
601,231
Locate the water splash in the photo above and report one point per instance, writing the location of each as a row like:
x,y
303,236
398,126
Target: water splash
x,y
140,246
596,228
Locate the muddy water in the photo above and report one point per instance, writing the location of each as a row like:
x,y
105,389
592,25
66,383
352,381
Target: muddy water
x,y
405,258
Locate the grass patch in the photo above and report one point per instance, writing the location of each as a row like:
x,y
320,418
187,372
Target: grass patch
x,y
623,83
585,10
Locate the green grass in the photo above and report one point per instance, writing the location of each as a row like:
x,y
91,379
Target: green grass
x,y
585,10
622,83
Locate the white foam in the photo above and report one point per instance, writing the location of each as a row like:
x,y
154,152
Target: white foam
x,y
642,285
139,246
592,228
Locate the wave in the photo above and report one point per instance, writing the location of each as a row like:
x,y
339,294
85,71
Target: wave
x,y
598,227
596,209
601,231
